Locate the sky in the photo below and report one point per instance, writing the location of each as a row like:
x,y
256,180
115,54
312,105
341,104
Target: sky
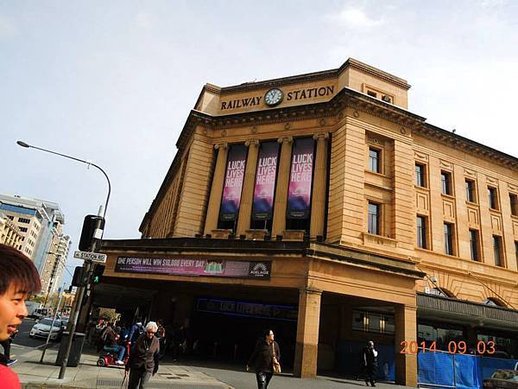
x,y
113,82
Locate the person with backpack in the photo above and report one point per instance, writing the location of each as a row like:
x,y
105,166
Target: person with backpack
x,y
136,330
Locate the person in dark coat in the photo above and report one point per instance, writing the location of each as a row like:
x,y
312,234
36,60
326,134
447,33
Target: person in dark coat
x,y
144,358
370,363
261,359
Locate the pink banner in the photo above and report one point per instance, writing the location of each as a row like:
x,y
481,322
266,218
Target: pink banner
x,y
234,176
194,267
265,181
301,178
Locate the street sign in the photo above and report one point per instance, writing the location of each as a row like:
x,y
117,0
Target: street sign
x,y
94,257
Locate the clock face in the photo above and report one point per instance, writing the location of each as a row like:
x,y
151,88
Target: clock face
x,y
273,97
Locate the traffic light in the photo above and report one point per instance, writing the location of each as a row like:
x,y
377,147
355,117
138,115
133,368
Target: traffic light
x,y
79,278
97,273
93,227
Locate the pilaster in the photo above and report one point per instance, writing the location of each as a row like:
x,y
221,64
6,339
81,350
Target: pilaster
x,y
406,330
216,190
308,323
245,208
281,193
318,203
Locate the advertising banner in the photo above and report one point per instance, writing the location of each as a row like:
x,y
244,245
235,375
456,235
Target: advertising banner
x,y
301,177
265,175
247,309
194,267
234,176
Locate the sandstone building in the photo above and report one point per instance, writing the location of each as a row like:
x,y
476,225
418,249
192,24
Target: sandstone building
x,y
318,205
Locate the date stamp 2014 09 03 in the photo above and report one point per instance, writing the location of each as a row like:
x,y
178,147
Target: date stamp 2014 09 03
x,y
454,347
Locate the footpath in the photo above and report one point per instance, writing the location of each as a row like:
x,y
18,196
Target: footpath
x,y
36,375
184,375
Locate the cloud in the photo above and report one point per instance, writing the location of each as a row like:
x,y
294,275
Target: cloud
x,y
7,28
493,3
356,17
145,20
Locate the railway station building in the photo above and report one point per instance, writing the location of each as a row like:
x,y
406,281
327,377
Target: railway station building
x,y
319,206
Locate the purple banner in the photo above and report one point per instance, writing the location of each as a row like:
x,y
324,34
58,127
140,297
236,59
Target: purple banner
x,y
301,177
234,176
265,175
194,267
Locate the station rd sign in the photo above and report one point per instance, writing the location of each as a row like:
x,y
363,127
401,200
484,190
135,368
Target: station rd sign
x,y
94,257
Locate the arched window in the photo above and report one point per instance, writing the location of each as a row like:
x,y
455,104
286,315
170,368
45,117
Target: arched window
x,y
495,302
443,292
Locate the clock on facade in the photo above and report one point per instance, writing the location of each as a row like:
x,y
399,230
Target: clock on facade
x,y
273,97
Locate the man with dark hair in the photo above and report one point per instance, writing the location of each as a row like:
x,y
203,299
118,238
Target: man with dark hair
x,y
18,279
262,359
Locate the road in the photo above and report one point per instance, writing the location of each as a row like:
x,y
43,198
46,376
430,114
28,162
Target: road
x,y
22,343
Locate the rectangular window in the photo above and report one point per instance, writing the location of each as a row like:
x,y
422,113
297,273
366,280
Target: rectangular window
x,y
474,245
446,183
421,232
374,160
374,217
24,220
470,191
420,175
492,197
23,229
449,239
497,250
373,322
513,199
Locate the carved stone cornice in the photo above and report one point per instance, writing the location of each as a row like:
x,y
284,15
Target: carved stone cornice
x,y
343,99
467,145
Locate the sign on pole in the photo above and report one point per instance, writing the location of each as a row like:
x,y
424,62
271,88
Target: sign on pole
x,y
94,257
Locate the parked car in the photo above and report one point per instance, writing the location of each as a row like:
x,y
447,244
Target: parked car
x,y
502,379
42,328
40,313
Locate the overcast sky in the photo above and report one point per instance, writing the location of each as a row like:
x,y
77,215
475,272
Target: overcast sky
x,y
113,81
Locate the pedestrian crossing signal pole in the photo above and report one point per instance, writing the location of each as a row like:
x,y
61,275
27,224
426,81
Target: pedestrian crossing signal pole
x,y
91,235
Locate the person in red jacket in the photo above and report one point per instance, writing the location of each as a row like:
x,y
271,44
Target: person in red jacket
x,y
18,279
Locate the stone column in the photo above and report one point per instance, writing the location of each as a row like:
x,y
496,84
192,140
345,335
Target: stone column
x,y
216,190
308,322
281,192
406,331
318,203
245,208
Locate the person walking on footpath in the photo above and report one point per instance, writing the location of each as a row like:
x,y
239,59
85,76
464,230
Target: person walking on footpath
x,y
18,280
370,363
144,358
262,359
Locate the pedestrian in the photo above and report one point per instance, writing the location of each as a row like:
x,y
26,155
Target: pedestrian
x,y
136,330
262,359
144,358
18,279
370,363
110,343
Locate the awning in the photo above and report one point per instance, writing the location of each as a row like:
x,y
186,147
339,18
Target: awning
x,y
465,312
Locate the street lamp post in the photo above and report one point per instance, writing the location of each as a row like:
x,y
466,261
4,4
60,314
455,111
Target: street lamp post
x,y
87,265
28,146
